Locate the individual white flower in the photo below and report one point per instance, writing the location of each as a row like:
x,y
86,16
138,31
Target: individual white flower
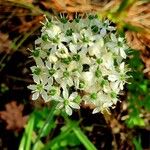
x,y
108,61
97,48
119,77
53,31
65,75
38,53
62,51
86,40
91,96
38,88
102,103
53,92
67,102
87,77
106,27
117,45
52,58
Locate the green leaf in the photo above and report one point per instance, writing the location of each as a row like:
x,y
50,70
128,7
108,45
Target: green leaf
x,y
83,138
57,140
132,28
135,121
45,129
137,143
27,136
124,5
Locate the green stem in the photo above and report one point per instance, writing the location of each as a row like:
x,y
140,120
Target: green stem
x,y
49,119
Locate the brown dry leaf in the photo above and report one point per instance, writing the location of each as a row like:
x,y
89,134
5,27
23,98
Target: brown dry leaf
x,y
13,116
71,6
5,43
139,15
27,26
139,41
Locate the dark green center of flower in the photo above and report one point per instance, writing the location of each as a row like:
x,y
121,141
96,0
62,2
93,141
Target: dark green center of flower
x,y
62,51
55,40
66,102
98,73
64,20
94,28
113,95
81,84
45,37
51,71
120,44
66,60
35,53
77,99
69,32
104,82
39,87
77,20
37,71
122,77
52,92
76,57
91,17
99,61
49,24
65,73
85,39
93,96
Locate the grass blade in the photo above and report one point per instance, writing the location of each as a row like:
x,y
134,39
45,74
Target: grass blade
x,y
83,138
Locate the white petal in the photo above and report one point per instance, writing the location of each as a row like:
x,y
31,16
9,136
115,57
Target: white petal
x,y
88,76
114,86
74,105
121,85
65,93
121,67
36,79
35,95
44,95
122,53
56,30
96,110
39,62
68,110
52,58
85,59
48,65
112,78
94,50
76,83
73,96
50,81
59,106
103,32
38,41
69,81
32,87
106,89
113,38
44,79
73,48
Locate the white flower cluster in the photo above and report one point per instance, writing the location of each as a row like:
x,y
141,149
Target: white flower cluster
x,y
79,61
